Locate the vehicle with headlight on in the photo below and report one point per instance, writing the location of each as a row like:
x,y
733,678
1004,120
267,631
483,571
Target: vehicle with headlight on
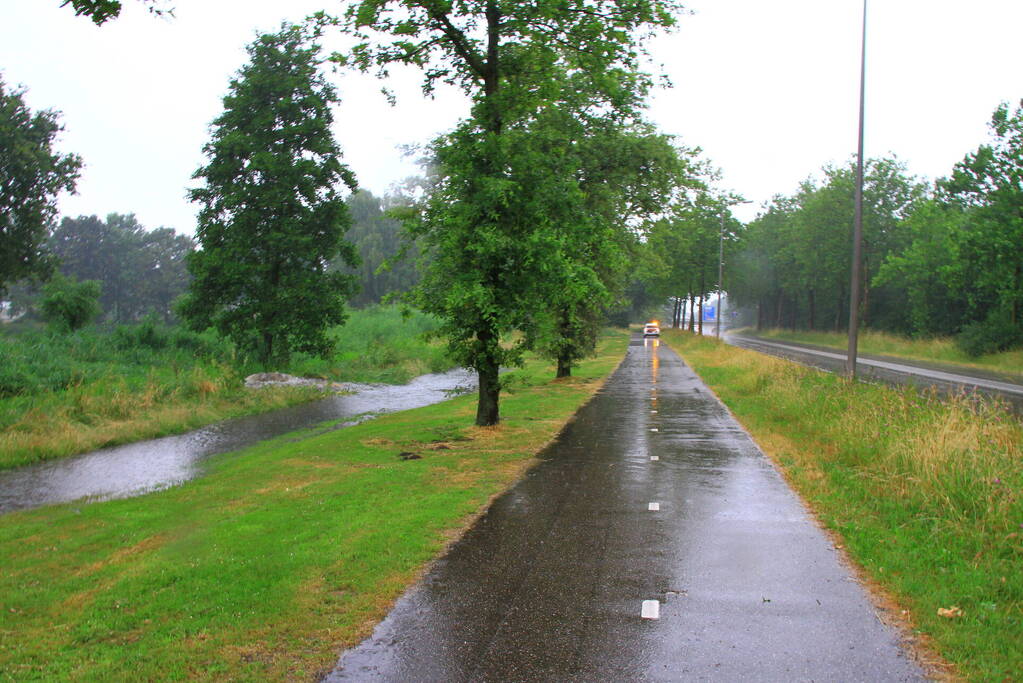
x,y
652,329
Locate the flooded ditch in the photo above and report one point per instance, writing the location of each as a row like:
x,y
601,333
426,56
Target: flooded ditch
x,y
146,466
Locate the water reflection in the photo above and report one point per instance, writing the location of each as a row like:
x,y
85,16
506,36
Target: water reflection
x,y
146,466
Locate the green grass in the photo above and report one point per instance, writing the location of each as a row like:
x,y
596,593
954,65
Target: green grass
x,y
927,494
935,350
282,556
379,344
67,394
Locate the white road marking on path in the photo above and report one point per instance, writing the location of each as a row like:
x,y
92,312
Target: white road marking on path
x,y
654,507
655,457
653,429
651,609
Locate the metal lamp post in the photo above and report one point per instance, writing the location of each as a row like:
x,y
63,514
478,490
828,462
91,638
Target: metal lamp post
x,y
857,258
721,265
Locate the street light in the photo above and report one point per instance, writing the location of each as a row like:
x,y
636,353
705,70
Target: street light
x,y
721,263
857,258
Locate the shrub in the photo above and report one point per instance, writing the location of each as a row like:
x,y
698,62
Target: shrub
x,y
68,304
996,333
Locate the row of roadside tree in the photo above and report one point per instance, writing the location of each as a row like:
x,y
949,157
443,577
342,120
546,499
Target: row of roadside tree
x,y
941,259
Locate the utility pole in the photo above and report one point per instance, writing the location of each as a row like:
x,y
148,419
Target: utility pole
x,y
857,256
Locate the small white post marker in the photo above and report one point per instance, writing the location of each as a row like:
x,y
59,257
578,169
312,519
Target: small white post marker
x,y
651,609
655,457
653,429
654,507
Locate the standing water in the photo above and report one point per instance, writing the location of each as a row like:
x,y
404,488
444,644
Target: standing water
x,y
146,466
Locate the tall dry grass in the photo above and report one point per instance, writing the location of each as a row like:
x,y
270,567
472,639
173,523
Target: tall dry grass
x,y
934,349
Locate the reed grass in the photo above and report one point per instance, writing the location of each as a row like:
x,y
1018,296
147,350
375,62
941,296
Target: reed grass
x,y
66,394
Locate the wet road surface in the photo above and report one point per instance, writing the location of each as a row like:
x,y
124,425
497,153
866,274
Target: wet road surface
x,y
143,467
653,501
891,370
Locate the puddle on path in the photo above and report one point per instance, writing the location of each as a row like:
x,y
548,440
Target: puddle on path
x,y
146,466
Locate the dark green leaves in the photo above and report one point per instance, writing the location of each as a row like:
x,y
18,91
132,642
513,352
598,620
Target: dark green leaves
x,y
272,218
32,174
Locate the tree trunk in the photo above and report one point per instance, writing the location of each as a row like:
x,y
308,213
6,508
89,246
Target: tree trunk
x,y
703,288
778,310
682,312
838,309
813,309
564,366
1016,294
487,367
760,314
692,312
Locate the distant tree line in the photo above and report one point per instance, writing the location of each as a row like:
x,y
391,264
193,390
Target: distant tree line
x,y
941,260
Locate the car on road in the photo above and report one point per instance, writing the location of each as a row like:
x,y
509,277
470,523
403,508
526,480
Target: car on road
x,y
652,329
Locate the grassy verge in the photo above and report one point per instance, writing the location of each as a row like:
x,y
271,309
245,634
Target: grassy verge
x,y
62,395
936,350
379,344
927,495
266,568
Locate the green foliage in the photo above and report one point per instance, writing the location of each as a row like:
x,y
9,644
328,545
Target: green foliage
x,y
32,174
142,271
68,304
794,261
379,344
487,224
940,263
986,186
36,361
100,11
386,265
272,217
995,333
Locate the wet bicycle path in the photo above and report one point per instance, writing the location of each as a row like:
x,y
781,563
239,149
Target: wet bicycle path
x,y
654,542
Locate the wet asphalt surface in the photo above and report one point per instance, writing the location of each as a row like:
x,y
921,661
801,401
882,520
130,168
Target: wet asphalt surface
x,y
145,466
947,380
551,583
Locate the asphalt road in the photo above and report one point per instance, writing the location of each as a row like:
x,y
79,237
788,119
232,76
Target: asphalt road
x,y
891,370
652,503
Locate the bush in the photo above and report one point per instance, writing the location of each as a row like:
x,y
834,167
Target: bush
x,y
68,304
995,334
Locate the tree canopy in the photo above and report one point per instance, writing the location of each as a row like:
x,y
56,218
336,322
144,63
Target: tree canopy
x,y
272,217
492,223
100,11
32,174
141,271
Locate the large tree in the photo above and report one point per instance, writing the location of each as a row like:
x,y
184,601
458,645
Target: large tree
x,y
142,271
988,185
32,174
483,224
272,217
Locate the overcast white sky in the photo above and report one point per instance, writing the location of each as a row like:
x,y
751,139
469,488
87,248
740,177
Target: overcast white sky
x,y
768,90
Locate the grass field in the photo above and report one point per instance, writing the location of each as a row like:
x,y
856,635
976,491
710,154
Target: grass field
x,y
67,394
279,558
926,495
937,350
